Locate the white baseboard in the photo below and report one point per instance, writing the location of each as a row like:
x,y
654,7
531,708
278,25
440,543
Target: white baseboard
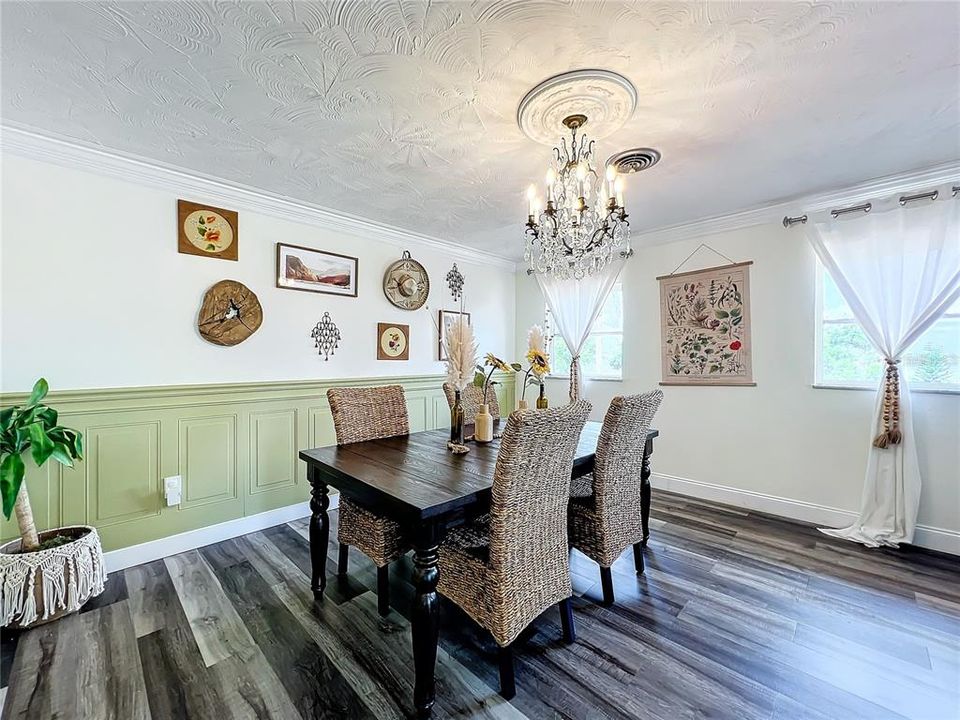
x,y
933,538
193,539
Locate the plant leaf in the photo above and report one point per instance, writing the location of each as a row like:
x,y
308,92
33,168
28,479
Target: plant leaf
x,y
39,392
11,477
517,367
41,446
61,453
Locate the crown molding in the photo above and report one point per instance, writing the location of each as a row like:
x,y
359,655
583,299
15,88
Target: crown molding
x,y
807,204
74,154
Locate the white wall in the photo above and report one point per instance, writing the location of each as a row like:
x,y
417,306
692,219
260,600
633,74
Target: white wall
x,y
782,438
94,293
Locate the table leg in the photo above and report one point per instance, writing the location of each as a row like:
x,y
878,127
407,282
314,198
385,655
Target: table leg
x,y
645,490
319,532
425,618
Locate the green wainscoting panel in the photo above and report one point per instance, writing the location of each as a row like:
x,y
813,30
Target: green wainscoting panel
x,y
235,447
207,460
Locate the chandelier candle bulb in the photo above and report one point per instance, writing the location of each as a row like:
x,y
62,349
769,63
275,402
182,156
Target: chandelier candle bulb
x,y
618,185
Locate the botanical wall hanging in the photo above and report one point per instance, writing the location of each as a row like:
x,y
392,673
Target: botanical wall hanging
x,y
207,230
406,283
705,326
393,341
302,268
230,313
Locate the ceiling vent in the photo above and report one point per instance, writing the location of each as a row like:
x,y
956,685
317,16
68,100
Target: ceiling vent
x,y
634,160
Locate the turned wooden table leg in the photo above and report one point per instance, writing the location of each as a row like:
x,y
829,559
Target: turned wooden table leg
x,y
645,491
425,618
319,532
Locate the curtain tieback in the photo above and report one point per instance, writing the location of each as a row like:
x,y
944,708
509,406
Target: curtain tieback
x,y
890,411
574,379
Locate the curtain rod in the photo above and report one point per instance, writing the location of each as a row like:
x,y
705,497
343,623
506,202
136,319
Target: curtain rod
x,y
867,207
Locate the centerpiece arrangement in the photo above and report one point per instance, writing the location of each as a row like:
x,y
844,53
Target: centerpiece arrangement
x,y
483,378
539,363
461,350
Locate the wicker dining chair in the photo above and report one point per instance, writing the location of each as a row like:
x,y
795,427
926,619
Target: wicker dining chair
x,y
471,398
605,505
368,414
508,566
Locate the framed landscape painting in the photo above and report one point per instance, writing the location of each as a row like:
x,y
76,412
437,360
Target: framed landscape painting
x,y
705,326
303,268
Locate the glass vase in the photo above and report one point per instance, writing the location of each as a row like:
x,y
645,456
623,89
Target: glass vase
x,y
456,420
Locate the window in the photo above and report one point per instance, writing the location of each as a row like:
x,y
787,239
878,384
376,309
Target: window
x,y
602,354
846,357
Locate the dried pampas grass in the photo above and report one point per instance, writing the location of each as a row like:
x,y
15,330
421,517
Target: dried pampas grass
x,y
461,348
536,340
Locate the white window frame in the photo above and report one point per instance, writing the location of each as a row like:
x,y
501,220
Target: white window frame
x,y
819,382
593,333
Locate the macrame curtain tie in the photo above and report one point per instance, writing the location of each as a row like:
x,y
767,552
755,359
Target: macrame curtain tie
x,y
890,412
575,379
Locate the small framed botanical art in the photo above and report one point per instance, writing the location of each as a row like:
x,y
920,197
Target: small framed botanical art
x,y
303,268
208,231
447,318
393,341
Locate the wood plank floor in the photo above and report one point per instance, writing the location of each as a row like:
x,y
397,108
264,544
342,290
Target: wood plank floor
x,y
739,615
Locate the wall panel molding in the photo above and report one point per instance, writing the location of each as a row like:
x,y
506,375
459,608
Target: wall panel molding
x,y
234,445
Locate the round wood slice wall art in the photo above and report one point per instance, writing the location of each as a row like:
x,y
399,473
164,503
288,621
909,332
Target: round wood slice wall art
x,y
230,313
406,283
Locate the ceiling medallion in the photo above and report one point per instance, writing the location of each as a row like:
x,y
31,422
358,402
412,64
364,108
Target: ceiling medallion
x,y
606,97
406,283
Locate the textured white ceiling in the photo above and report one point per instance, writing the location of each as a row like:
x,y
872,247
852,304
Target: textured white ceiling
x,y
405,112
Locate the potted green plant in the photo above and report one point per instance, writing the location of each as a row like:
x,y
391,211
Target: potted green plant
x,y
43,576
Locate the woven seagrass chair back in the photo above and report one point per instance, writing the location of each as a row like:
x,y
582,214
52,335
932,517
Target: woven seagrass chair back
x,y
471,399
529,556
616,472
368,413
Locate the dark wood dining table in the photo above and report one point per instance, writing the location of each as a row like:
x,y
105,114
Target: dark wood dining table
x,y
416,481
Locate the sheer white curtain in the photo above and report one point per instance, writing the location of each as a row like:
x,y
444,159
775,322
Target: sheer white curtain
x,y
898,268
575,305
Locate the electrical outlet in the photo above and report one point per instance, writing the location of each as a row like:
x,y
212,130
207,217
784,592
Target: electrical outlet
x,y
172,487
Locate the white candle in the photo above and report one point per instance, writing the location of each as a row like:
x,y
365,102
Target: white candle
x,y
611,179
532,199
618,185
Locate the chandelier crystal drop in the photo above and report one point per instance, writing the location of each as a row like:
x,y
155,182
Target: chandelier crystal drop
x,y
583,226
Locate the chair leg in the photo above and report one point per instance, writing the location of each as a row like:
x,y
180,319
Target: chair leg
x,y
606,582
383,590
343,560
566,621
638,557
508,685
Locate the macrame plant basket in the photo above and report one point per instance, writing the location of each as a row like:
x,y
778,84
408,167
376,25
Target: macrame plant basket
x,y
39,587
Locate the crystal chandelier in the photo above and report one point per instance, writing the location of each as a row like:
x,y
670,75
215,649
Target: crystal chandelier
x,y
584,224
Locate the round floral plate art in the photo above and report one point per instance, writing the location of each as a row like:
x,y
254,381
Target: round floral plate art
x,y
393,342
208,231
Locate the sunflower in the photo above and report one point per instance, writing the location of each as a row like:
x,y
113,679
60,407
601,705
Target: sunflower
x,y
493,361
539,365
